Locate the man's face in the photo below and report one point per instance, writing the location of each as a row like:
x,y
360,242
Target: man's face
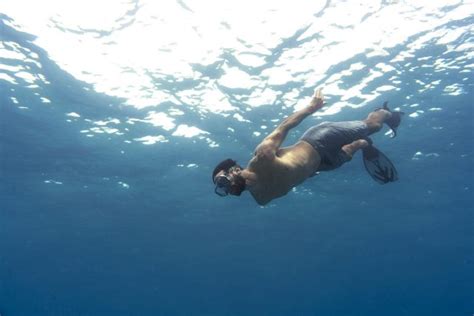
x,y
226,181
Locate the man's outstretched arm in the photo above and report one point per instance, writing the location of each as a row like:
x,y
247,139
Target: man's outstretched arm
x,y
272,142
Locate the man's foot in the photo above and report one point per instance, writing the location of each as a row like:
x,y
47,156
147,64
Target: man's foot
x,y
394,120
379,167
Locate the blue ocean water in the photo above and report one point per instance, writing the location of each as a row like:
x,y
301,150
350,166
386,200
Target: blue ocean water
x,y
107,207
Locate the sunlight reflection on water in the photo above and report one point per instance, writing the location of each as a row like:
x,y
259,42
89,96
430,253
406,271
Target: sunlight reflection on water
x,y
224,58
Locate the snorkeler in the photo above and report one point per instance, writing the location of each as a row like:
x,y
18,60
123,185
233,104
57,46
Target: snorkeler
x,y
274,171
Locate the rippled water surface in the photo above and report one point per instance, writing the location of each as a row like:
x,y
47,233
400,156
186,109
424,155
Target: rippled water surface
x,y
113,115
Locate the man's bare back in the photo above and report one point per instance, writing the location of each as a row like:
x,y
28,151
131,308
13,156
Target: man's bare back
x,y
273,177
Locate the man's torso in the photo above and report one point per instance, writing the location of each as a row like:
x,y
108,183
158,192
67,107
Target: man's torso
x,y
276,177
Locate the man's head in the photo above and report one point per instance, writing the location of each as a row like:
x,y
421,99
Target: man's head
x,y
227,178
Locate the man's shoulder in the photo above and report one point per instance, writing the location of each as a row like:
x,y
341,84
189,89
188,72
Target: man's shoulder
x,y
259,159
263,163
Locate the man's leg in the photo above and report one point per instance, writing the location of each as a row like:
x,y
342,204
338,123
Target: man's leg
x,y
376,119
374,122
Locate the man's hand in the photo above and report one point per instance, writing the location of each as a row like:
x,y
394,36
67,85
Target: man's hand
x,y
317,101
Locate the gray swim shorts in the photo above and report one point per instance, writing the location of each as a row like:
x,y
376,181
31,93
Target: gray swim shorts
x,y
329,137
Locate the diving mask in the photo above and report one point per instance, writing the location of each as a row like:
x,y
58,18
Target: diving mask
x,y
223,185
223,182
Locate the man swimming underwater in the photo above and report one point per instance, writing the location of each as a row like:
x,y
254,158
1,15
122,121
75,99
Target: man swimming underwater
x,y
274,171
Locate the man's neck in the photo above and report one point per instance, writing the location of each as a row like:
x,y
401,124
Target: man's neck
x,y
250,178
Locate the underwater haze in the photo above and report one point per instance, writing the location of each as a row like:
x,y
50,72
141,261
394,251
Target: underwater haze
x,y
113,115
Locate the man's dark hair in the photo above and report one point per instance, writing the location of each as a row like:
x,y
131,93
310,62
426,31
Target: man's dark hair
x,y
223,165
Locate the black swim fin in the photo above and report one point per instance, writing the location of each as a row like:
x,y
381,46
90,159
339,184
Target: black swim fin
x,y
394,121
380,168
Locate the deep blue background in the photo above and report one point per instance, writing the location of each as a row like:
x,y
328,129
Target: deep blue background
x,y
168,246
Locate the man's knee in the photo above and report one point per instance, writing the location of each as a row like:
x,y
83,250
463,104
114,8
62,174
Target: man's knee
x,y
351,148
